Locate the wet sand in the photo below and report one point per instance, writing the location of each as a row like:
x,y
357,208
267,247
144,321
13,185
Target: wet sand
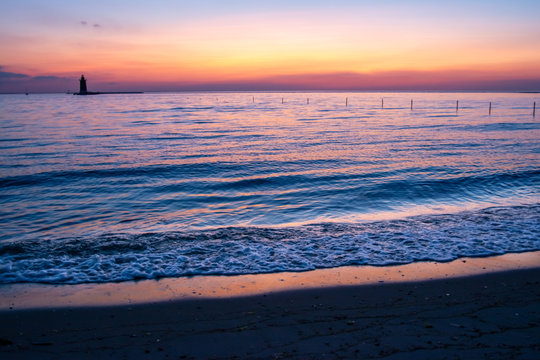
x,y
494,314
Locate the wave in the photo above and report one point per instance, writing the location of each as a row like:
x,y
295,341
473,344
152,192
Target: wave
x,y
322,167
501,126
253,250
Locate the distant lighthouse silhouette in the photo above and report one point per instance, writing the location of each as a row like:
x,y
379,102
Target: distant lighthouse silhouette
x,y
82,88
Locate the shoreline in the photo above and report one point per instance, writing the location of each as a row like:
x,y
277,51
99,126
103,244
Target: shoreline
x,y
35,296
516,91
487,311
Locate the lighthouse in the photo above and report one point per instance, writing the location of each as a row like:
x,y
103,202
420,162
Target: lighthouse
x,y
82,89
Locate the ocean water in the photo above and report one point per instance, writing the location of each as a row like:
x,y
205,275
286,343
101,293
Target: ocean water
x,y
122,187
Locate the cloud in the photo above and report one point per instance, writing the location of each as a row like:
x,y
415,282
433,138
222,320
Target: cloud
x,y
449,80
17,82
49,78
396,80
85,23
5,75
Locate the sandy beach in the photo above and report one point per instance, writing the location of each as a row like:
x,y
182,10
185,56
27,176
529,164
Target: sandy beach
x,y
494,314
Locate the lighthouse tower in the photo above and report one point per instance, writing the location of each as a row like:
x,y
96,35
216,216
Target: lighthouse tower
x,y
82,89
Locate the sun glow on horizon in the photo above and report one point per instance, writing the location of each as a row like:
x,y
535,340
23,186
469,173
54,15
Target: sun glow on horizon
x,y
250,46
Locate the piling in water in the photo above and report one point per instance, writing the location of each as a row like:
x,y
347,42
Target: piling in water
x,y
534,109
457,105
490,108
411,104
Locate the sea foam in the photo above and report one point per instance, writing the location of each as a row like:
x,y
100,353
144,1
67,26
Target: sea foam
x,y
253,250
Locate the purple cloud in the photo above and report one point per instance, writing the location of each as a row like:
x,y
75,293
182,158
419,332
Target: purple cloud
x,y
49,78
10,75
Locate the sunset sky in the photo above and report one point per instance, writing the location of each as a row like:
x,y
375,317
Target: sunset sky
x,y
165,45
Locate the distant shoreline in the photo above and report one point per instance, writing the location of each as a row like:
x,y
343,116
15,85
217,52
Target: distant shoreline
x,y
292,91
108,92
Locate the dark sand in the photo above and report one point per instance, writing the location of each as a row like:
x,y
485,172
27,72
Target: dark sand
x,y
488,316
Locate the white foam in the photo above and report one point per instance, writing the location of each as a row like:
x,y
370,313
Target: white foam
x,y
248,250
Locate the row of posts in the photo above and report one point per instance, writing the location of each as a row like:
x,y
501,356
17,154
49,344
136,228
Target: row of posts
x,y
382,104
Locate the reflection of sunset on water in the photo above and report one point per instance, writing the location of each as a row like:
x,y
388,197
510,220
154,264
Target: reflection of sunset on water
x,y
198,160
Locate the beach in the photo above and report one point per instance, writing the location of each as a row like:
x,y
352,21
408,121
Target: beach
x,y
490,311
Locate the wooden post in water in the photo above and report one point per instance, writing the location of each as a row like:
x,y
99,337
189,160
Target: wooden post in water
x,y
382,103
346,102
490,108
534,109
307,101
282,100
457,105
411,104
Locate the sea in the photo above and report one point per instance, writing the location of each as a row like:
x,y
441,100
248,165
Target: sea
x,y
121,187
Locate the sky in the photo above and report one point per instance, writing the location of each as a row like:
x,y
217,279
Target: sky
x,y
168,45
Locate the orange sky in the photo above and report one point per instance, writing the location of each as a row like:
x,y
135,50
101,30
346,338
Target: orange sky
x,y
236,45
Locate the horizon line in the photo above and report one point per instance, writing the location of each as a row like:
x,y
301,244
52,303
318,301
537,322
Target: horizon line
x,y
70,92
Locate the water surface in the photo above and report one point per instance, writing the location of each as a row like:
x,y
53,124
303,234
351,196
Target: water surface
x,y
119,187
